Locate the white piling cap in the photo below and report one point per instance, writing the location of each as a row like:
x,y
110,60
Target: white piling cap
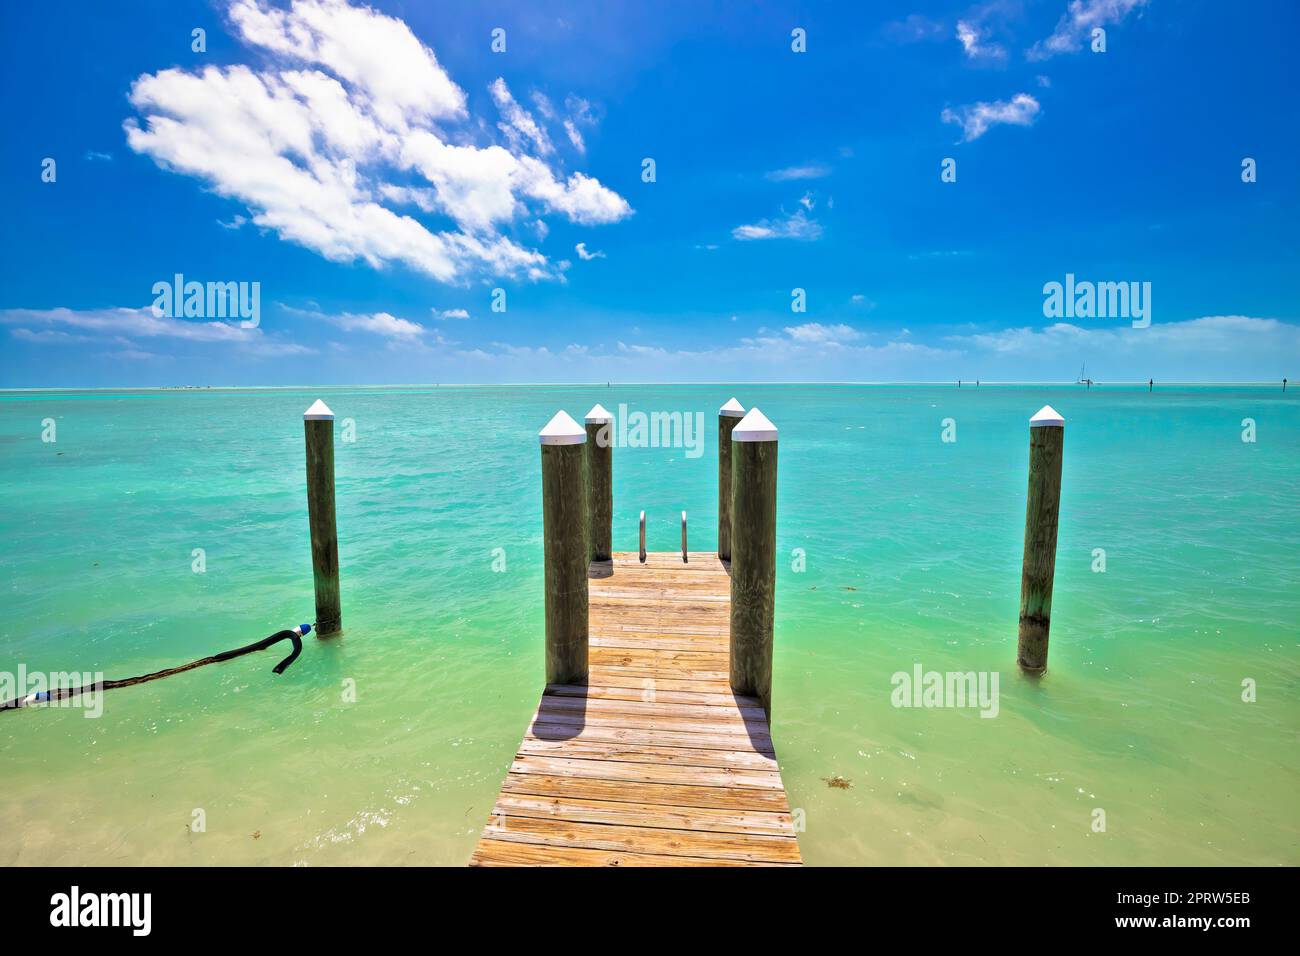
x,y
599,415
319,412
733,409
754,427
562,430
1046,415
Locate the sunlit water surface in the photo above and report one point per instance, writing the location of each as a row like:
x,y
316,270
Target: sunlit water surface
x,y
912,546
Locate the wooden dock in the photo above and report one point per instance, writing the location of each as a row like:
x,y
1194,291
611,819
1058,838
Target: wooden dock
x,y
653,762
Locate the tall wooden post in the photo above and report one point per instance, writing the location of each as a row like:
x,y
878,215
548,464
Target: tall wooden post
x,y
753,559
1046,441
318,423
728,415
565,543
600,482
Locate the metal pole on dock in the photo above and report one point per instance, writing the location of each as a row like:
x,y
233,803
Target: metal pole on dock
x,y
1042,510
318,423
600,482
728,415
566,549
753,559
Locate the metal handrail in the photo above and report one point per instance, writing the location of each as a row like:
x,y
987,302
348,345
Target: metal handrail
x,y
643,537
684,558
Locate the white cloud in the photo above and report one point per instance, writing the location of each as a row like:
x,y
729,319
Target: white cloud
x,y
973,38
517,123
120,326
1209,335
378,56
318,154
1217,348
450,314
575,137
977,119
383,324
586,256
809,171
1077,23
817,333
797,226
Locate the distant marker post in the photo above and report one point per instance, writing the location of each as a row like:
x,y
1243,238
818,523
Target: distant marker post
x,y
600,482
728,415
566,548
1042,511
318,423
753,559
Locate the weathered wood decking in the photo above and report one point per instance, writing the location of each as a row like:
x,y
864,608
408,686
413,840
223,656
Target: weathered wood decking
x,y
654,762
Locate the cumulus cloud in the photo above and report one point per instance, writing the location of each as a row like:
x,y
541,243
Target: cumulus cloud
x,y
976,119
1077,23
586,256
450,314
348,120
383,324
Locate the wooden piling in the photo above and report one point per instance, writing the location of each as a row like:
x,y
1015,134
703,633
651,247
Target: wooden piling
x,y
566,548
600,482
753,558
1042,510
728,415
318,423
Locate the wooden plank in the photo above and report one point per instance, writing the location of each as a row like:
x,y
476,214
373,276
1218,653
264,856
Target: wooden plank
x,y
647,753
502,853
641,814
655,708
686,725
621,674
647,772
637,692
600,733
658,794
770,848
653,761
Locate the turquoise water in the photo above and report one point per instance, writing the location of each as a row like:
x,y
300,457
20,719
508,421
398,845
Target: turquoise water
x,y
912,549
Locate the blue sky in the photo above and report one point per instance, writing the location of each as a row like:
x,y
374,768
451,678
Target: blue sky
x,y
380,170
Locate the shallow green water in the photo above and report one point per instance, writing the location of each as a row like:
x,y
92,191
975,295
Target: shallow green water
x,y
912,547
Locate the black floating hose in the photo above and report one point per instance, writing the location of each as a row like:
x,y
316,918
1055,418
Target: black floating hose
x,y
63,693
